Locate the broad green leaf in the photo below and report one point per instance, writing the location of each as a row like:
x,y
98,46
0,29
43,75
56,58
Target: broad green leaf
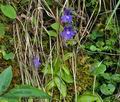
x,y
5,79
8,56
93,48
50,85
5,99
56,64
65,69
116,77
2,29
67,56
109,63
107,89
106,76
66,77
100,44
26,91
95,35
107,99
89,97
52,33
71,42
47,69
61,86
99,70
56,26
56,67
8,11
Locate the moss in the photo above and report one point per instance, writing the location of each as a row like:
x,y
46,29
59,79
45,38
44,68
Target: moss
x,y
83,78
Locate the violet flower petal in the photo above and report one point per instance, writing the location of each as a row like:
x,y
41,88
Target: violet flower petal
x,y
36,62
66,18
68,32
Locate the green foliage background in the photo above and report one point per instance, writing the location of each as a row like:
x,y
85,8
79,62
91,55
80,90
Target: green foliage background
x,y
86,67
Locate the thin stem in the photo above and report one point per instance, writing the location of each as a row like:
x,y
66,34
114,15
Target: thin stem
x,y
94,84
74,73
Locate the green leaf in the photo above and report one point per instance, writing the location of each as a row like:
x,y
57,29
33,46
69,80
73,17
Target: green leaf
x,y
116,77
106,76
56,64
108,99
67,56
100,69
56,26
93,48
95,35
65,69
2,29
100,44
52,33
26,91
107,89
5,79
50,85
89,97
8,56
47,69
5,99
61,86
66,77
8,11
71,42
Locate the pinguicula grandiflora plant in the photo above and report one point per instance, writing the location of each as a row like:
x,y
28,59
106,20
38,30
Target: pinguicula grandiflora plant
x,y
68,31
68,48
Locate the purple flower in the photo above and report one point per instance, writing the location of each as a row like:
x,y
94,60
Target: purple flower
x,y
67,17
36,62
68,33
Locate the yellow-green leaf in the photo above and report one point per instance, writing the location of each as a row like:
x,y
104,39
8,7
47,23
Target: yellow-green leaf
x,y
56,26
61,86
52,33
8,11
5,79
